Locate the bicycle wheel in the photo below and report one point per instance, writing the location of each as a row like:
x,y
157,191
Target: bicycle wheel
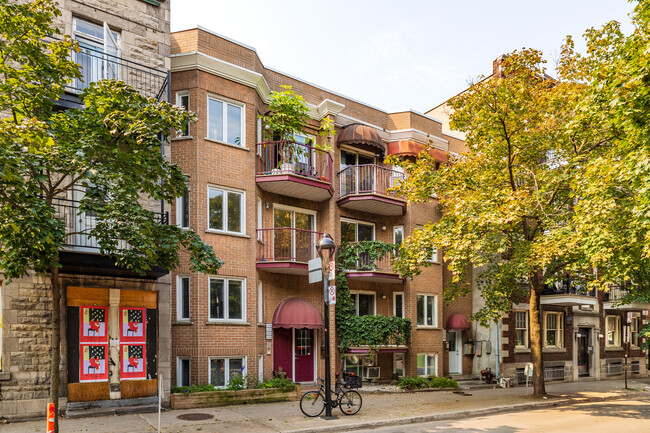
x,y
350,402
312,403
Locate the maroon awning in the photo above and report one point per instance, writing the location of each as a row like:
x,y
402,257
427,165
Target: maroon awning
x,y
412,148
363,136
297,313
457,321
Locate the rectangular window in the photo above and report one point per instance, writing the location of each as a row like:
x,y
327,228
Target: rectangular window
x,y
183,101
223,370
553,329
427,310
260,368
183,210
398,364
183,298
182,371
225,121
613,325
356,231
364,303
260,303
427,364
99,52
398,304
634,330
227,299
398,238
521,328
226,210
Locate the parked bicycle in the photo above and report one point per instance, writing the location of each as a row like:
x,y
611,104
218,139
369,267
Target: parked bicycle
x,y
349,401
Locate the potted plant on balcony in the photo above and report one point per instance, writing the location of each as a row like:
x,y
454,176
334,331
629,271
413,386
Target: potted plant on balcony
x,y
287,116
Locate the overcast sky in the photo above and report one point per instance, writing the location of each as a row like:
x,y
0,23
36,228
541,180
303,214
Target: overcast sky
x,y
395,55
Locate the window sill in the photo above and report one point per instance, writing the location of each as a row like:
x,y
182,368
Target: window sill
x,y
426,327
220,232
522,350
227,322
613,349
554,350
183,322
5,375
182,138
212,140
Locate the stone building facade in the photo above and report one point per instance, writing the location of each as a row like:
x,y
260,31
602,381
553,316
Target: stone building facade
x,y
115,325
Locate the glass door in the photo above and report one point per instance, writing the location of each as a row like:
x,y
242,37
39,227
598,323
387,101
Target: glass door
x,y
293,234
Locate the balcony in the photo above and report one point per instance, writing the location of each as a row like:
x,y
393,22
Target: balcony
x,y
612,300
97,65
373,271
294,170
364,188
286,250
568,292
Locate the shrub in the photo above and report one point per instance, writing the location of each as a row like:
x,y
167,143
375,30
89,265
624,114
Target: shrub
x,y
442,382
237,382
280,383
192,388
416,382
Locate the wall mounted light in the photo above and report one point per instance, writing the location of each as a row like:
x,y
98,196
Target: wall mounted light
x,y
383,296
267,205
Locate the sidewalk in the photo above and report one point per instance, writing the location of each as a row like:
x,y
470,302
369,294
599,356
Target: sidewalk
x,y
378,410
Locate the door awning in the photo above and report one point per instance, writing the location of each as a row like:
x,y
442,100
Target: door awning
x,y
457,321
297,313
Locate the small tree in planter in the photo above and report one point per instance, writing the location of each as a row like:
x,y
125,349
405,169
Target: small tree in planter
x,y
288,116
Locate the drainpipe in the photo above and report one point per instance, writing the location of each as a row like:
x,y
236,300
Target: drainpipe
x,y
496,344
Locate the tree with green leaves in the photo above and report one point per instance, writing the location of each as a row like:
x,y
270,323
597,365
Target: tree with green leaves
x,y
110,149
507,203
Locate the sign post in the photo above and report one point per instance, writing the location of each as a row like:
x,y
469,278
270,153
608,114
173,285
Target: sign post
x,y
332,295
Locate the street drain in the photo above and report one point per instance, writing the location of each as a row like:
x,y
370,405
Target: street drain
x,y
195,416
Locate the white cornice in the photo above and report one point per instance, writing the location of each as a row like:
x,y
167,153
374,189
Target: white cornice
x,y
329,107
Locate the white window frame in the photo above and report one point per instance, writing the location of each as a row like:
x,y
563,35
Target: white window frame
x,y
364,292
226,318
435,310
226,368
525,313
179,368
179,298
559,330
260,303
397,229
227,191
224,120
260,368
634,330
426,365
179,103
294,210
617,331
357,222
180,208
395,294
107,38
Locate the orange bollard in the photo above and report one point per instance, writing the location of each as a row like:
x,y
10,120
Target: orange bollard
x,y
50,418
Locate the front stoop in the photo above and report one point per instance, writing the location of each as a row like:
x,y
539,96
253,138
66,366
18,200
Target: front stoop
x,y
83,409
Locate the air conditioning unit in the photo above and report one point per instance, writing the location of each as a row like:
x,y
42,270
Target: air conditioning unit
x,y
372,373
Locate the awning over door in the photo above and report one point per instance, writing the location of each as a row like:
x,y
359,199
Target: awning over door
x,y
457,321
297,313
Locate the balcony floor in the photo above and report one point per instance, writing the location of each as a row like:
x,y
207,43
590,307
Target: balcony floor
x,y
374,277
287,268
374,204
568,300
611,305
294,185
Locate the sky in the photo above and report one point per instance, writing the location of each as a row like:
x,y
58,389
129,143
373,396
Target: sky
x,y
396,55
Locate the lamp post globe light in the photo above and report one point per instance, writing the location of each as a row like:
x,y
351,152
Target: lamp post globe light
x,y
326,249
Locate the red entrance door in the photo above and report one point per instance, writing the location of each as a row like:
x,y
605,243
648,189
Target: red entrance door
x,y
283,350
304,354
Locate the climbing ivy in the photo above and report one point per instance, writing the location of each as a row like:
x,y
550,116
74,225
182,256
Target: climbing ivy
x,y
371,331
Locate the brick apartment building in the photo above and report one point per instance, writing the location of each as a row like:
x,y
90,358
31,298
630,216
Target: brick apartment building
x,y
263,217
126,40
584,334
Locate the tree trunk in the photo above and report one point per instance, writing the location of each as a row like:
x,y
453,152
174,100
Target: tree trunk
x,y
539,387
55,365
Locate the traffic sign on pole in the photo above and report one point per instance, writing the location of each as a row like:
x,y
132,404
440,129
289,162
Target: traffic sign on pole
x,y
332,295
332,268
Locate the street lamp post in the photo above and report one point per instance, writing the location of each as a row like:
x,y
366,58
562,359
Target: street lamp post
x,y
326,250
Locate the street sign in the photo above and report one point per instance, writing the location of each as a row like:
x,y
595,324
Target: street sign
x,y
332,295
629,317
332,268
315,271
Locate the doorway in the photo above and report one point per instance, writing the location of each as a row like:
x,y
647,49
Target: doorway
x,y
454,352
293,352
583,352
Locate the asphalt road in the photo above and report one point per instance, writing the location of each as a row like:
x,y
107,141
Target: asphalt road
x,y
620,416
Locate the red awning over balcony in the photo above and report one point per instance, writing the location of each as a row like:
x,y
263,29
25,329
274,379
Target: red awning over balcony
x,y
457,321
412,148
362,136
297,313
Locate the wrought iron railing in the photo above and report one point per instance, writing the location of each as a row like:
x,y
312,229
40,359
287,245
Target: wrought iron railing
x,y
97,65
369,179
78,224
284,244
568,286
282,157
616,293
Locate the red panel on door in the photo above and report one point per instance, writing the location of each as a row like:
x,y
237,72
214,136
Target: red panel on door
x,y
283,350
304,355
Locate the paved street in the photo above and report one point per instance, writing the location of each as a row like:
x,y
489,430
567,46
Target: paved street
x,y
631,416
381,410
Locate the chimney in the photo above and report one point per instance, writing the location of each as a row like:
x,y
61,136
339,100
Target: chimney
x,y
497,70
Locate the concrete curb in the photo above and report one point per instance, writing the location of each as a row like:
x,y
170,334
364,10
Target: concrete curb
x,y
466,413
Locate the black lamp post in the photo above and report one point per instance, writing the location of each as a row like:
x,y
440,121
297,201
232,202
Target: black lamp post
x,y
326,250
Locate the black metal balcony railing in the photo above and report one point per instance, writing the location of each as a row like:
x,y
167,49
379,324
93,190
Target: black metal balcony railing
x,y
78,225
283,244
369,179
616,293
97,65
567,286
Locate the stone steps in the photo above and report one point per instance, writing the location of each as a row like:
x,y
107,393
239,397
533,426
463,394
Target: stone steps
x,y
83,409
